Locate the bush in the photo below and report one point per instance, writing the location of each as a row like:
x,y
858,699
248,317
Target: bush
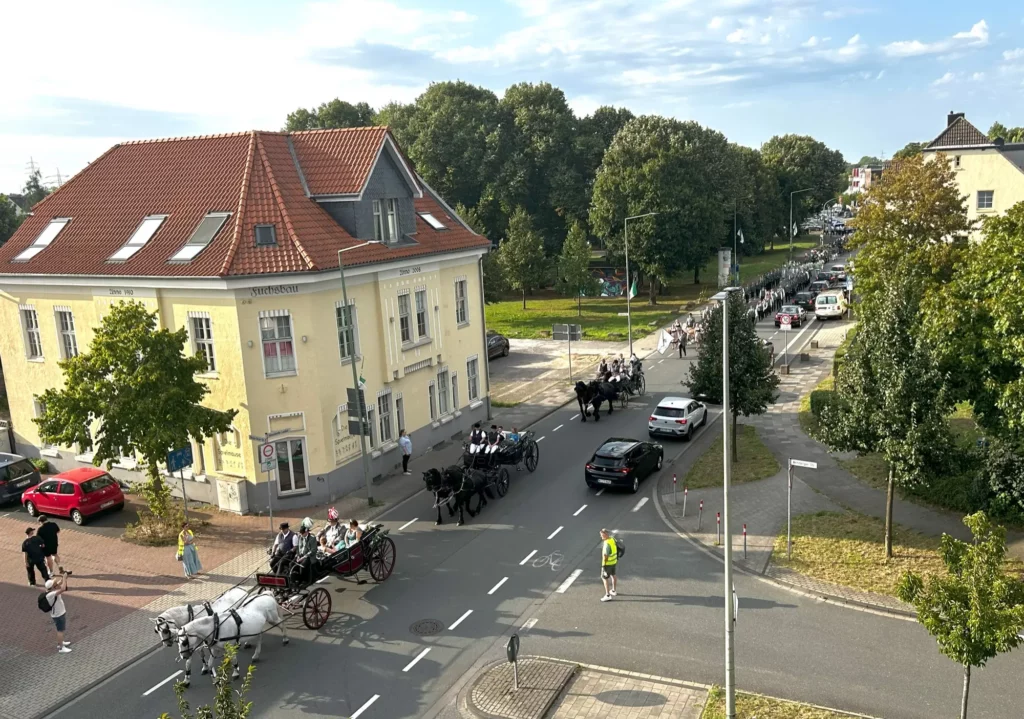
x,y
1002,472
228,703
153,531
820,399
42,465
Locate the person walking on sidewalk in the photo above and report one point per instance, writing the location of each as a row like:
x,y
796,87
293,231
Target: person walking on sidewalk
x,y
48,533
406,444
35,556
609,560
55,588
188,553
682,344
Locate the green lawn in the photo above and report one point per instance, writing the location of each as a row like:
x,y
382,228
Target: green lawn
x,y
756,461
600,315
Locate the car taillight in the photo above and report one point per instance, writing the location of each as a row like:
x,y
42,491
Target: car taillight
x,y
652,418
680,421
590,466
624,470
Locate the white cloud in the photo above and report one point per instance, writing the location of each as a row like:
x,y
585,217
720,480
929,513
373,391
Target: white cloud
x,y
812,41
853,48
978,76
944,80
881,74
839,13
715,23
1017,54
977,36
738,35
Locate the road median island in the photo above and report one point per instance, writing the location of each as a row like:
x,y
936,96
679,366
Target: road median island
x,y
755,461
757,706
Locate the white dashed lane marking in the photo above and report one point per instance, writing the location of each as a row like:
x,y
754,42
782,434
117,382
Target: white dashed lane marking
x,y
639,504
173,676
528,557
364,707
568,582
552,535
459,620
558,428
577,512
497,586
419,656
407,524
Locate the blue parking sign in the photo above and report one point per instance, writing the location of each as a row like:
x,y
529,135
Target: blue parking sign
x,y
179,459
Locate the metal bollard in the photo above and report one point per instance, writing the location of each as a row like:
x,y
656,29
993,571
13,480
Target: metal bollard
x,y
718,531
744,541
700,515
674,495
685,491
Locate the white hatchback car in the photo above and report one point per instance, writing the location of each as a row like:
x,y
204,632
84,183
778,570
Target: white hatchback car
x,y
677,417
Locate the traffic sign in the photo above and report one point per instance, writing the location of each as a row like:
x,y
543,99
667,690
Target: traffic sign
x,y
803,463
564,333
179,459
268,456
785,322
512,648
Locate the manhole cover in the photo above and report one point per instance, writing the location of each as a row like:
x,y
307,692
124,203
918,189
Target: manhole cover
x,y
426,627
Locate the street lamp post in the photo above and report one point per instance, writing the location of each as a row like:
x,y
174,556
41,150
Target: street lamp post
x,y
794,192
355,373
823,208
625,241
730,617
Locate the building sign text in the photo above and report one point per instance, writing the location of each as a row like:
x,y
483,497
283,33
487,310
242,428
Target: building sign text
x,y
275,290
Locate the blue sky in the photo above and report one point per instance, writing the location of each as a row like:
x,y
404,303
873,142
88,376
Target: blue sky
x,y
865,77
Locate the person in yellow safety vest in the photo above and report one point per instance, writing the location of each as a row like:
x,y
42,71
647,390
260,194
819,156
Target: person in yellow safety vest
x,y
609,559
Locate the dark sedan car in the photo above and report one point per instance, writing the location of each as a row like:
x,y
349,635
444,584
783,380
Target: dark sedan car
x,y
497,345
16,475
805,300
621,462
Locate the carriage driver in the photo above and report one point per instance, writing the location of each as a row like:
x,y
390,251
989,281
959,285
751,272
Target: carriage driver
x,y
285,545
477,439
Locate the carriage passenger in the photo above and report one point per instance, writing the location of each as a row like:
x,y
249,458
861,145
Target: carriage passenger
x,y
353,536
513,436
477,439
334,532
602,369
306,552
493,442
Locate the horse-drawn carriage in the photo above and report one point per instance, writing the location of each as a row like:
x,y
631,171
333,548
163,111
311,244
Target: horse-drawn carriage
x,y
293,585
522,454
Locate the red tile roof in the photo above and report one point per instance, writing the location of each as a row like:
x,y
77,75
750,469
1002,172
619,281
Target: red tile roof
x,y
252,175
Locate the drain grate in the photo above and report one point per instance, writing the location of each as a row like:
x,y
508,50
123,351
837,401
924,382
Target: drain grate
x,y
426,627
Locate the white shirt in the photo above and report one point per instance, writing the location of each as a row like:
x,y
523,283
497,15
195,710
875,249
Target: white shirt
x,y
406,444
56,604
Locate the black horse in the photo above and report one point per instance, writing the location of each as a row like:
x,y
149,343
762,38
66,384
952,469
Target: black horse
x,y
459,485
594,394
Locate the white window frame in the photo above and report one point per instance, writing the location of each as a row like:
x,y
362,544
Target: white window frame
x,y
195,243
385,413
392,208
432,398
424,312
400,411
991,196
203,345
473,377
67,340
378,220
31,333
149,226
277,315
353,327
43,239
432,220
39,409
956,162
455,391
443,396
291,465
371,422
462,302
405,317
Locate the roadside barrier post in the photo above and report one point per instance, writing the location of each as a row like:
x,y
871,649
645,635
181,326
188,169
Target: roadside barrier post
x,y
789,509
718,531
685,491
700,515
744,541
675,496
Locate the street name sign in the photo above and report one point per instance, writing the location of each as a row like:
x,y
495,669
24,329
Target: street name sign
x,y
803,463
573,333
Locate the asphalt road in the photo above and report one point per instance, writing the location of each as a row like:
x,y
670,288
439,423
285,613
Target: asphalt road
x,y
503,569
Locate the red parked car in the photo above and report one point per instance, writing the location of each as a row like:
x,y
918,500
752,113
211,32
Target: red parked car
x,y
77,493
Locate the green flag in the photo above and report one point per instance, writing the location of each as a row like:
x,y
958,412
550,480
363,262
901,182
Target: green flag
x,y
362,381
632,290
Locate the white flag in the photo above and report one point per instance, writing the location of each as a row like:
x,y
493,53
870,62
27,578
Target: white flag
x,y
664,342
740,233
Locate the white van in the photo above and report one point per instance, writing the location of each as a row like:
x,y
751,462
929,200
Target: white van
x,y
830,304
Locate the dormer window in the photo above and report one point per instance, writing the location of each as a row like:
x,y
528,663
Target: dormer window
x,y
208,228
385,220
44,239
143,233
266,235
433,221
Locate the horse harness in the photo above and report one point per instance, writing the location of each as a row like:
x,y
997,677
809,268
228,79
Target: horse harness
x,y
215,637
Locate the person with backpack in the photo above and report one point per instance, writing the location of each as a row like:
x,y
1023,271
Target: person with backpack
x,y
52,601
611,551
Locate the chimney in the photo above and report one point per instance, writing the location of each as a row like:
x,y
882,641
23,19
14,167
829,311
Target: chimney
x,y
998,142
953,117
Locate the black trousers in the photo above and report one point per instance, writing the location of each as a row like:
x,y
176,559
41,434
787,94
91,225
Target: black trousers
x,y
34,564
405,463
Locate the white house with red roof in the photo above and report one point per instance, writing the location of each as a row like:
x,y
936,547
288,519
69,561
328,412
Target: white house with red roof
x,y
236,237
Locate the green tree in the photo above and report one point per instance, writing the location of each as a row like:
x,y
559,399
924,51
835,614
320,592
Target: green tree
x,y
975,611
912,222
891,395
801,162
521,254
330,115
574,276
868,160
35,191
676,169
138,384
909,150
594,134
998,129
227,703
398,117
976,323
760,206
10,218
753,385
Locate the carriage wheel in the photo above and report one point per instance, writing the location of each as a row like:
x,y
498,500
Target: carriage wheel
x,y
532,455
316,610
503,482
641,385
382,561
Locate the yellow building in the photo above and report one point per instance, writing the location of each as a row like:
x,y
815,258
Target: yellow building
x,y
236,237
989,172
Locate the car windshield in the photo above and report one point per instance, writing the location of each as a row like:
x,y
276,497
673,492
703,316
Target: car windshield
x,y
15,470
805,296
97,483
790,310
670,412
602,461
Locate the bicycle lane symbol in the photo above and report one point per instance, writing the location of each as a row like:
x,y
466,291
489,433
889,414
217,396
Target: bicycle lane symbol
x,y
554,560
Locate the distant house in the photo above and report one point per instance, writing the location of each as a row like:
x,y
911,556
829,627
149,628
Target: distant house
x,y
17,208
989,172
861,178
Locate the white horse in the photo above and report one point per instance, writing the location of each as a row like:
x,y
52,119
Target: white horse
x,y
174,618
252,619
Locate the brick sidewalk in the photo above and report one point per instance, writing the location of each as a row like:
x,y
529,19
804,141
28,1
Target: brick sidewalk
x,y
596,694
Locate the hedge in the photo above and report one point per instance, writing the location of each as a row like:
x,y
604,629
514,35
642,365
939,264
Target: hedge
x,y
821,398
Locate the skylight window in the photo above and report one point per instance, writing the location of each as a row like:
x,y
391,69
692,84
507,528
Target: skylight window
x,y
44,239
432,221
203,236
139,238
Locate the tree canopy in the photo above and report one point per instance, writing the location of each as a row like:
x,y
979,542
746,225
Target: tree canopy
x,y
801,162
136,382
521,254
1010,134
574,276
10,218
909,150
329,115
35,191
